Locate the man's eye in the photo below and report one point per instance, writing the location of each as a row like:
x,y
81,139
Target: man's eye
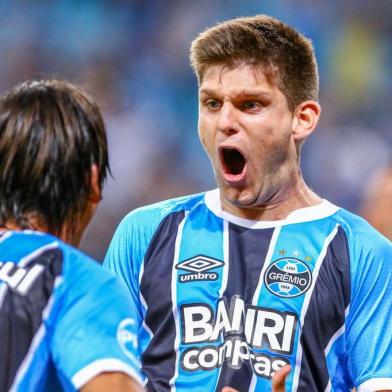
x,y
212,104
251,105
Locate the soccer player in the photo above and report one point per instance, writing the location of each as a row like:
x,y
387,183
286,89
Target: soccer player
x,y
65,322
235,283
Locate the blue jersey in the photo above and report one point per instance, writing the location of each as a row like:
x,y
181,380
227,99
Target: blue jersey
x,y
63,318
225,301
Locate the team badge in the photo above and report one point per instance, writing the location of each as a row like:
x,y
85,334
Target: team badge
x,y
288,277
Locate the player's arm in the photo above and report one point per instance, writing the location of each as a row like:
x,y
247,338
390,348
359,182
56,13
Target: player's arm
x,y
370,312
113,382
95,338
129,245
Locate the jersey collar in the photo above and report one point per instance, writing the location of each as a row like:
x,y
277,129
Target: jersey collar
x,y
319,211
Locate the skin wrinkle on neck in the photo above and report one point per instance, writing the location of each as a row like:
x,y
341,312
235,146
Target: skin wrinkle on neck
x,y
278,207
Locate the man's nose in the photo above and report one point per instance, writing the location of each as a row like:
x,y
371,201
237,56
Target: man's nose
x,y
227,121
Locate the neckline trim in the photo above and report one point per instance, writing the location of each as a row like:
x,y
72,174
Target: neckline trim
x,y
306,214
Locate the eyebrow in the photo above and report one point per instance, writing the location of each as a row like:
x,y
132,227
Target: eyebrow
x,y
242,93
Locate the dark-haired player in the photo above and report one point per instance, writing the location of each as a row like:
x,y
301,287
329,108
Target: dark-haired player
x,y
65,323
235,283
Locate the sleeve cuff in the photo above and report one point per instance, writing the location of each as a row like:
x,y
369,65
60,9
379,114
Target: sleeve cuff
x,y
375,384
87,373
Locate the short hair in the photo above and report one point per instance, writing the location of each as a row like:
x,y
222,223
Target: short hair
x,y
286,56
51,133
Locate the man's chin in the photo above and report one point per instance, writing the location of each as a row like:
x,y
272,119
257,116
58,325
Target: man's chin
x,y
240,198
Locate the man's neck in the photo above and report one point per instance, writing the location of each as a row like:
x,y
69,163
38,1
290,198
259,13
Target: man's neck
x,y
278,207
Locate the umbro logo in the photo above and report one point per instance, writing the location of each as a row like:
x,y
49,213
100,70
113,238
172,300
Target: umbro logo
x,y
199,263
198,266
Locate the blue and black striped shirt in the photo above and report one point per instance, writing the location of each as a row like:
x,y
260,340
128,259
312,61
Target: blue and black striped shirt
x,y
225,301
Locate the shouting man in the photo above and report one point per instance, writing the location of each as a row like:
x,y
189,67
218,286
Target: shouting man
x,y
238,282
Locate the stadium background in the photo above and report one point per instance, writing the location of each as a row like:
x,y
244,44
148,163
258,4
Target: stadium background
x,y
133,57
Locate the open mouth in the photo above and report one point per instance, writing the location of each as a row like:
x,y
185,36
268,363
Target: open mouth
x,y
233,161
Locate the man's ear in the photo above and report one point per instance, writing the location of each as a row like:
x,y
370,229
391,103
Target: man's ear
x,y
306,117
95,192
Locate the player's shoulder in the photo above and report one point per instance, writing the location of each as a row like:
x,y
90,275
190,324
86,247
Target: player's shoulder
x,y
78,265
32,251
74,255
361,235
32,244
46,260
26,243
358,228
152,214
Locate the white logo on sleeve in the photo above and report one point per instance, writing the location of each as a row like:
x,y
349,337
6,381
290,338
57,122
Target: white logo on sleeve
x,y
127,338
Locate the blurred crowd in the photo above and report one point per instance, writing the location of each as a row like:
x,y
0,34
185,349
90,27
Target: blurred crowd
x,y
132,56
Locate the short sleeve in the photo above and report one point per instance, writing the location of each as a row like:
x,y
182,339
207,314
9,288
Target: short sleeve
x,y
133,236
369,321
129,244
124,255
96,328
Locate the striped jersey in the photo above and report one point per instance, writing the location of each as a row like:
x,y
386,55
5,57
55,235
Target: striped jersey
x,y
63,318
226,301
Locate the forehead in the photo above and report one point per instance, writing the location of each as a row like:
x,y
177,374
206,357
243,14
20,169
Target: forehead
x,y
226,78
